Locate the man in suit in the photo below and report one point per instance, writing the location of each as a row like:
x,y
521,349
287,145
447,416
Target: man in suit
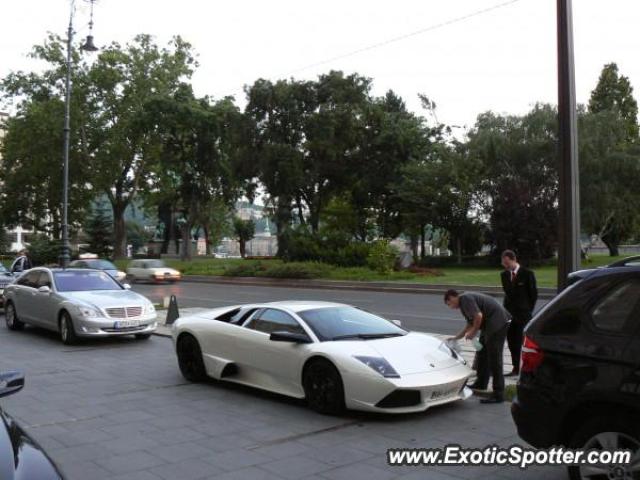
x,y
520,296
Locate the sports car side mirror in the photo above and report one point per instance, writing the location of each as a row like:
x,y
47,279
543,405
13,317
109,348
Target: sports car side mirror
x,y
289,337
397,322
10,383
44,289
126,286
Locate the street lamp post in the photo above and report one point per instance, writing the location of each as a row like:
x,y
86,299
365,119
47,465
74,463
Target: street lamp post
x,y
569,187
65,254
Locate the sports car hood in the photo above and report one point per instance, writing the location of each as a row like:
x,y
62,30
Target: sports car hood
x,y
20,457
411,353
106,298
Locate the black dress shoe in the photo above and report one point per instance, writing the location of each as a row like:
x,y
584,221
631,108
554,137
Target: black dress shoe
x,y
513,373
492,400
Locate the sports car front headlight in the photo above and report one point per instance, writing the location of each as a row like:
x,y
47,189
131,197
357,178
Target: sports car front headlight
x,y
380,365
88,312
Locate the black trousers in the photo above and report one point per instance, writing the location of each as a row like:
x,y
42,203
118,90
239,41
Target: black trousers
x,y
490,363
515,336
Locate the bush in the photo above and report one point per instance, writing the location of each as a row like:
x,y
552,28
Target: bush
x,y
277,270
333,249
244,270
382,256
295,270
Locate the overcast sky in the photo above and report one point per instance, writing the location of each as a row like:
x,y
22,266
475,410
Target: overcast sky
x,y
503,60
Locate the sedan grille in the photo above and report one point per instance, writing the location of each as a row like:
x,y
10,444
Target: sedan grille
x,y
124,312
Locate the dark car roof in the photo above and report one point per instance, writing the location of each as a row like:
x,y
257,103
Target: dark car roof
x,y
603,272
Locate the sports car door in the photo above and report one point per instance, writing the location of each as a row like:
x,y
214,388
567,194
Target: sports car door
x,y
271,365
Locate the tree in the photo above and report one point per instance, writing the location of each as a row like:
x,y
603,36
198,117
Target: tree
x,y
215,219
518,164
439,191
99,231
244,231
123,148
32,149
391,138
277,112
608,176
197,148
614,93
609,160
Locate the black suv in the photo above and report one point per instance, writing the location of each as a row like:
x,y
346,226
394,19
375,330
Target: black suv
x,y
579,384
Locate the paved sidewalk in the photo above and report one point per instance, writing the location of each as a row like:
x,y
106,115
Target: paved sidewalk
x,y
468,351
119,409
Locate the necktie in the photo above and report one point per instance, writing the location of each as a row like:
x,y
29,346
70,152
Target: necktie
x,y
513,276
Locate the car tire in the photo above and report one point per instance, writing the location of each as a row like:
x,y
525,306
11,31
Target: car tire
x,y
67,330
190,359
605,433
323,387
143,336
11,317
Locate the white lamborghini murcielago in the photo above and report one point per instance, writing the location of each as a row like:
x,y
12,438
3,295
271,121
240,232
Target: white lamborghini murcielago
x,y
333,355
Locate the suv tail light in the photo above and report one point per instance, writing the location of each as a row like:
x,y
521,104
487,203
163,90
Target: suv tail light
x,y
531,357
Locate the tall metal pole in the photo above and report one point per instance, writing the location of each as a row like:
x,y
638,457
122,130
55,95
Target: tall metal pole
x,y
65,253
569,187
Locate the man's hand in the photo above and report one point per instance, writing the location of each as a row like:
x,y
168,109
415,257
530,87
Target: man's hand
x,y
471,334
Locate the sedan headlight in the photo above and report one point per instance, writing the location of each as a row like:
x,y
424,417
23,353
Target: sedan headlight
x,y
380,365
88,312
150,309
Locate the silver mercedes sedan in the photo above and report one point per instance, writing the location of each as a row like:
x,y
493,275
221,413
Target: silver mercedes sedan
x,y
77,303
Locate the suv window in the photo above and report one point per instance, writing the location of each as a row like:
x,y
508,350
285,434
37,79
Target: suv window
x,y
613,310
271,320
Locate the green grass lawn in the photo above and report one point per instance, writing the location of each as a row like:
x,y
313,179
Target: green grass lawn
x,y
450,275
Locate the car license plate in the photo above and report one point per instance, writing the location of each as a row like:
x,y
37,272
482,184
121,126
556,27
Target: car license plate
x,y
444,393
126,324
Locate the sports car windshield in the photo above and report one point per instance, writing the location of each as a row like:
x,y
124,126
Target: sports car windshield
x,y
348,323
84,281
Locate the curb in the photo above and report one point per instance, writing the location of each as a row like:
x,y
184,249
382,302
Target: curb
x,y
388,287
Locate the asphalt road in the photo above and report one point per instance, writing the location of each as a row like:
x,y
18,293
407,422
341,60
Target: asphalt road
x,y
422,312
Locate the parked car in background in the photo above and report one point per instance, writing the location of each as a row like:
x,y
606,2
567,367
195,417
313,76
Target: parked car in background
x,y
330,354
20,456
77,303
6,277
152,271
579,384
100,264
633,261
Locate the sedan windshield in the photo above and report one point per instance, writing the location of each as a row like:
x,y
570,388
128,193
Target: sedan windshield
x,y
101,264
346,323
77,281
